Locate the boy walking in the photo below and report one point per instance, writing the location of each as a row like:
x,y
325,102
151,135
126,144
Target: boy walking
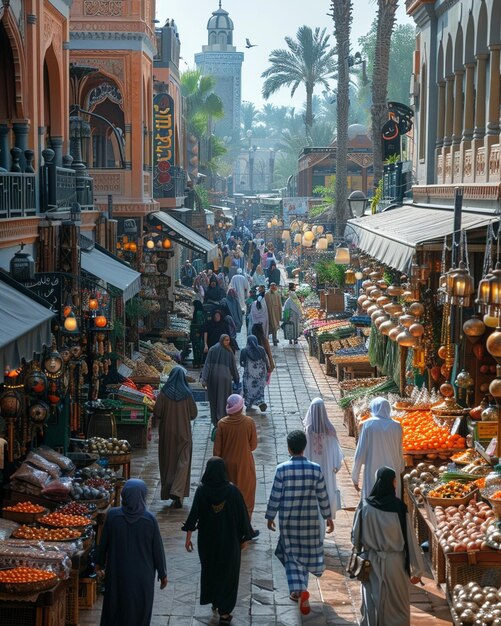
x,y
297,495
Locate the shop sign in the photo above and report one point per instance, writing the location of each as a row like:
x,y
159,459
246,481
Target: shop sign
x,y
48,285
163,141
294,207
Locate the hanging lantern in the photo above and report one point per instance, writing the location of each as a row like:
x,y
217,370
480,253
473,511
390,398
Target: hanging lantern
x,y
464,380
307,243
100,321
349,277
320,229
150,244
309,236
268,225
359,275
474,328
166,244
71,323
93,304
483,289
274,222
10,404
330,238
342,256
493,344
286,235
322,245
491,321
460,285
298,238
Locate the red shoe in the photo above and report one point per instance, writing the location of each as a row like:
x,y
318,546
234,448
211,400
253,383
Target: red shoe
x,y
304,605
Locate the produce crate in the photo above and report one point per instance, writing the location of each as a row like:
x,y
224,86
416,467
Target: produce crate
x,y
437,559
87,593
414,457
132,414
47,610
482,567
135,433
72,599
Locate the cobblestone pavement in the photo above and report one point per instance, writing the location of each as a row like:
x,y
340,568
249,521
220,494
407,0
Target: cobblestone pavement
x,y
263,596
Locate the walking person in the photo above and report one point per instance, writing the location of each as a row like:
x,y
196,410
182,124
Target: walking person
x,y
197,326
213,330
233,306
256,369
175,409
274,275
130,573
219,514
323,447
382,528
259,313
236,439
241,285
188,273
297,494
380,444
293,312
274,306
258,278
218,375
258,332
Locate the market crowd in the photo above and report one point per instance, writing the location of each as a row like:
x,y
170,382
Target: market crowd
x,y
244,287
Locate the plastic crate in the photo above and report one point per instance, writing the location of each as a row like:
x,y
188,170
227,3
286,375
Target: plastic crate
x,y
133,414
87,593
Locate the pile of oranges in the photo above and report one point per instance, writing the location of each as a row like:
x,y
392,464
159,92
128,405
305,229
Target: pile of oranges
x,y
25,507
25,575
64,520
46,534
420,432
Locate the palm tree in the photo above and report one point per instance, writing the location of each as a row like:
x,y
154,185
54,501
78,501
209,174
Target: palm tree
x,y
341,13
309,61
379,111
202,107
248,116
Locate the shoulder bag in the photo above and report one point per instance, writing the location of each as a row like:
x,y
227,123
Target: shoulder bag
x,y
358,566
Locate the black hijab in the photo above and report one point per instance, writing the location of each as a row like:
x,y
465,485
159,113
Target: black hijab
x,y
383,497
197,307
215,483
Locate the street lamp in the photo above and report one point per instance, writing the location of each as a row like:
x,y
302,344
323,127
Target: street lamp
x,y
358,203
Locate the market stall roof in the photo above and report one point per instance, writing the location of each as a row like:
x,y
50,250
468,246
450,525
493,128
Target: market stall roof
x,y
106,266
183,234
25,324
393,236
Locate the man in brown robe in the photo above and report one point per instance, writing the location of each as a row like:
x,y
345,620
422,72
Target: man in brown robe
x,y
175,408
274,304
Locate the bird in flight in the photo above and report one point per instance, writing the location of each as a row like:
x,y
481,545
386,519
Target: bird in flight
x,y
248,44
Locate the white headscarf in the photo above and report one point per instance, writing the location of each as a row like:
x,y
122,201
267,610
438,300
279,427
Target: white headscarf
x,y
316,420
380,407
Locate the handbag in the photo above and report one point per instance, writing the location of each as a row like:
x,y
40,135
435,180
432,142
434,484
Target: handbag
x,y
358,566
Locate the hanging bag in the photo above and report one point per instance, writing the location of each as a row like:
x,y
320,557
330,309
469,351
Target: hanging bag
x,y
359,566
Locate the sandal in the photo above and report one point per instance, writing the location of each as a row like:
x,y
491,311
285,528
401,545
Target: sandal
x,y
225,619
294,596
304,604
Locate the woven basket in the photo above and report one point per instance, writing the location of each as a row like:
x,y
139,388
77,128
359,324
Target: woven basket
x,y
445,502
29,588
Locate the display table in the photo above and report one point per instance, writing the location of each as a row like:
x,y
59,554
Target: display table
x,y
47,609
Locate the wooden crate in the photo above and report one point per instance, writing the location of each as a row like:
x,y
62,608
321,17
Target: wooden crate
x,y
437,559
72,599
87,593
482,567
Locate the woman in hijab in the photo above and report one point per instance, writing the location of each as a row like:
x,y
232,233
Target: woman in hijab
x,y
258,332
197,326
219,514
256,368
219,372
380,443
232,332
233,306
258,278
130,573
293,312
259,313
382,528
213,294
214,328
323,447
175,408
236,439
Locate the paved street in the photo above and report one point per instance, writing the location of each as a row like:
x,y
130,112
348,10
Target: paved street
x,y
263,596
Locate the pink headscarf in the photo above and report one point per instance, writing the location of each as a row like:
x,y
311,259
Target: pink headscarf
x,y
234,404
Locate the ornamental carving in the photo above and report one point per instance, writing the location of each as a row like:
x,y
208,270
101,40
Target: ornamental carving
x,y
103,91
448,167
480,165
112,67
468,164
440,167
494,161
457,166
52,33
107,183
109,8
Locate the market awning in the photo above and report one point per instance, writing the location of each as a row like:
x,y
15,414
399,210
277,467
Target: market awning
x,y
25,326
106,266
393,236
183,234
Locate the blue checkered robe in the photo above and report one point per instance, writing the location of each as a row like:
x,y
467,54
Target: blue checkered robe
x,y
299,496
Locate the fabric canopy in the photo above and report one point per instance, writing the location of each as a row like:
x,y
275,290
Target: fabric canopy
x,y
112,271
185,235
25,327
393,236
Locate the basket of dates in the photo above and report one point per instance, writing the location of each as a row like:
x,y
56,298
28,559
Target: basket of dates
x,y
78,508
24,512
23,580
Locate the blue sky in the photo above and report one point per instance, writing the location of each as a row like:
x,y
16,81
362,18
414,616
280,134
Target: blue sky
x,y
265,23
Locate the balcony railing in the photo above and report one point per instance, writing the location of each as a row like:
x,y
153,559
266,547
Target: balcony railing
x,y
60,187
17,194
397,182
178,179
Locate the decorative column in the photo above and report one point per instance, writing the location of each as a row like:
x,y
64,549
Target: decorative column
x,y
479,131
493,122
458,107
469,121
449,110
4,147
128,145
21,130
57,145
441,114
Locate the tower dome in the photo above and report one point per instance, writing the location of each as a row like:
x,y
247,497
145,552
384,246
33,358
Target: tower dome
x,y
220,27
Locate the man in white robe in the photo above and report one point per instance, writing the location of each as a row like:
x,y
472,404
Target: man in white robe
x,y
380,444
241,285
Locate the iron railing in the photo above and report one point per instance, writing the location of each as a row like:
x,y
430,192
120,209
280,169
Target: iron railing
x,y
17,194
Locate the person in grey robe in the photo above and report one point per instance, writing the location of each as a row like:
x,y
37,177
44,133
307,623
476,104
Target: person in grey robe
x,y
233,306
383,529
175,408
219,371
129,555
293,312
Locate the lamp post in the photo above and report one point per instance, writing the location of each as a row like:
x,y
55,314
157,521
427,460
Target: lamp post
x,y
272,167
358,203
252,154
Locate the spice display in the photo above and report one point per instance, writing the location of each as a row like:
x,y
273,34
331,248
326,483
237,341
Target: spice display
x,y
451,489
